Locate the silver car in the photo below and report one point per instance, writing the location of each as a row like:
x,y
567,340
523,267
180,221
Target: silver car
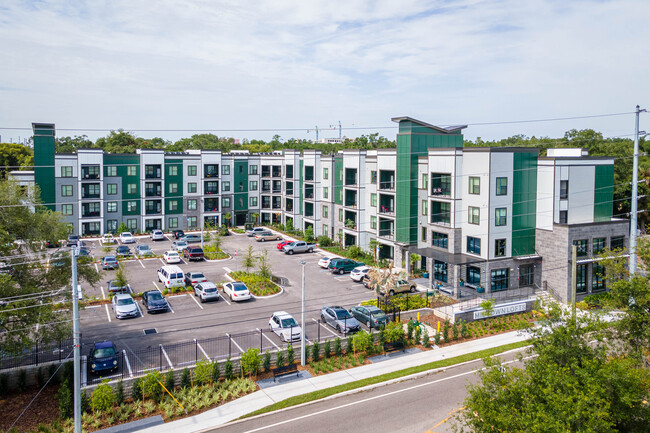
x,y
124,306
340,319
206,291
179,245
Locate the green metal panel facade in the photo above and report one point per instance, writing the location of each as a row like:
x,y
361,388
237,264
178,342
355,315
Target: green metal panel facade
x,y
122,161
171,178
241,193
338,180
301,179
44,164
604,193
524,203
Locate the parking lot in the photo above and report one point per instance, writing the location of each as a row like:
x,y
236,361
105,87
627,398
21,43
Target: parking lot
x,y
225,327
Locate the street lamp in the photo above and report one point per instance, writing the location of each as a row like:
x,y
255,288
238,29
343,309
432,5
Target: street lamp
x,y
302,318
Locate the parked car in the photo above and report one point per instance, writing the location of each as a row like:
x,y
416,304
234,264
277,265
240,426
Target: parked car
x,y
324,262
193,253
59,259
341,266
402,286
340,319
206,291
357,273
113,288
285,326
109,262
372,316
194,278
127,238
52,244
172,257
123,251
84,252
154,301
143,251
298,247
267,236
157,235
124,306
191,238
255,230
237,291
179,245
281,245
102,357
178,234
73,240
108,239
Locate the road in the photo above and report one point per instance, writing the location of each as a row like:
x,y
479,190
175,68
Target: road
x,y
427,405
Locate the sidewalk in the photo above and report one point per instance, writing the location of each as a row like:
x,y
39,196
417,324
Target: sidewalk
x,y
260,399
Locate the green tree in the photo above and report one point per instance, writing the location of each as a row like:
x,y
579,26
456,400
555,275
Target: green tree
x,y
227,216
309,234
14,156
248,259
71,144
122,228
264,266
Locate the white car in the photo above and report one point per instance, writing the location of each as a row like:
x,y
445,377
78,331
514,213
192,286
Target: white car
x,y
237,291
206,291
124,306
127,238
358,273
108,239
157,235
324,262
172,257
285,326
179,245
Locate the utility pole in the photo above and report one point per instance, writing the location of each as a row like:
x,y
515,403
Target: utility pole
x,y
302,318
574,279
635,193
76,337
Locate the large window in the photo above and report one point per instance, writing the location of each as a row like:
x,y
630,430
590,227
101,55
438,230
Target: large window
x,y
131,206
252,201
326,211
474,276
500,279
225,185
132,188
526,275
111,171
111,206
474,185
499,247
373,222
473,215
191,187
440,240
326,173
191,204
597,277
173,188
440,212
326,193
111,189
617,242
132,170
581,278
582,247
440,184
225,169
111,226
252,185
225,202
440,271
66,209
173,222
500,216
66,171
191,222
373,199
172,170
309,172
564,189
252,169
132,224
66,190
289,171
191,171
502,186
599,245
473,245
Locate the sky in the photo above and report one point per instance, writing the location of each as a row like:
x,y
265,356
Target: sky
x,y
252,69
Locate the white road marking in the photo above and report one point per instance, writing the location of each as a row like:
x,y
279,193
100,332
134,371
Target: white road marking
x,y
170,307
96,267
204,353
141,264
177,296
326,328
238,346
223,296
227,269
161,261
87,306
154,283
128,364
103,294
197,302
270,341
139,310
107,313
166,357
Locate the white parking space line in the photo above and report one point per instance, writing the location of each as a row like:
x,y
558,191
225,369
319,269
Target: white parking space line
x,y
223,296
167,357
203,351
96,267
170,307
342,278
178,296
107,313
154,283
238,346
326,328
103,294
141,264
128,364
227,269
197,302
139,310
270,341
161,260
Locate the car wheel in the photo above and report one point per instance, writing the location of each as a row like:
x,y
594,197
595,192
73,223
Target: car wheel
x,y
392,292
310,250
263,240
412,289
284,340
341,271
322,318
290,252
338,328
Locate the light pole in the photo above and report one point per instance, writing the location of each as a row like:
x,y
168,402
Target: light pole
x,y
302,318
635,189
75,337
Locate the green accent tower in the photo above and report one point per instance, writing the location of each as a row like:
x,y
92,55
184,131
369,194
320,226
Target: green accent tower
x,y
414,139
44,134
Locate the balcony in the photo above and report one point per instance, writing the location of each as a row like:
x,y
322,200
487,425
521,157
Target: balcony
x,y
440,184
211,187
350,177
276,203
276,171
350,198
266,186
266,202
289,205
309,173
90,191
211,170
309,192
153,189
152,172
277,187
386,228
153,207
386,204
309,210
211,205
266,171
387,180
89,172
350,220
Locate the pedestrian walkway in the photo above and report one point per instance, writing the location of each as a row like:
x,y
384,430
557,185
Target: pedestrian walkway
x,y
265,397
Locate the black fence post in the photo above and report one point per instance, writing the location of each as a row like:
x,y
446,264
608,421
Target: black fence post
x,y
229,345
196,351
37,353
261,341
160,356
318,327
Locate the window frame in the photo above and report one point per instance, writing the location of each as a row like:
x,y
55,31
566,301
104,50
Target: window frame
x,y
474,184
471,217
501,216
473,245
501,186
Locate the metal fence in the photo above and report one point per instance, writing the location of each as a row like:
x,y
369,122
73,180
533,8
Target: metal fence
x,y
498,297
41,353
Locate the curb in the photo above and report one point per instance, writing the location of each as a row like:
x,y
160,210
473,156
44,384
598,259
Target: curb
x,y
260,297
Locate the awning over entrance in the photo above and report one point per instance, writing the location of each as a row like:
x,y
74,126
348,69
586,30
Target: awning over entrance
x,y
443,256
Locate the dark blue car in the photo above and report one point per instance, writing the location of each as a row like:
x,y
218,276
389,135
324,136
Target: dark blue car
x,y
103,358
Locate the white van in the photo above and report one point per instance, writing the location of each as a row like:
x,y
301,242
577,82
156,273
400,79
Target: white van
x,y
171,276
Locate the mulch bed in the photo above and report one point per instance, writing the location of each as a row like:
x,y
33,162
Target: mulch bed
x,y
45,409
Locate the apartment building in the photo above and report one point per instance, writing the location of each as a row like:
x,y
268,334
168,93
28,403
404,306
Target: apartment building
x,y
488,219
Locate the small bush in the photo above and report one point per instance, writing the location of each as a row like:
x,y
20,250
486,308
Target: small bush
x,y
454,331
425,338
186,381
103,398
445,331
315,351
393,332
418,335
203,372
337,346
22,380
228,372
85,402
327,351
436,338
119,393
349,347
324,241
279,358
51,374
267,361
152,385
170,381
215,371
250,361
290,354
64,395
409,329
381,337
362,341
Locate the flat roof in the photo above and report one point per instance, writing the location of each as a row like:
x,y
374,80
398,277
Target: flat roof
x,y
447,129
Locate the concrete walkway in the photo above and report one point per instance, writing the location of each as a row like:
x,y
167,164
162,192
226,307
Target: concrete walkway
x,y
260,399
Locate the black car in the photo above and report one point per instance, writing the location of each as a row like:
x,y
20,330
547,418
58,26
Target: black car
x,y
154,302
103,358
52,244
178,234
73,240
123,251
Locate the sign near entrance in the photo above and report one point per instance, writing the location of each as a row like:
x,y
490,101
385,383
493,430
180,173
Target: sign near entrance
x,y
500,311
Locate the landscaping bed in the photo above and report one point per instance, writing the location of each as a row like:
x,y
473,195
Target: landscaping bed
x,y
257,284
407,301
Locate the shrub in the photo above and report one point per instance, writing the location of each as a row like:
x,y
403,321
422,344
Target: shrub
x,y
381,337
228,372
425,338
324,241
337,346
393,332
267,361
40,377
436,338
85,402
215,371
315,351
410,326
279,358
250,361
362,341
454,331
51,374
119,393
64,395
418,335
327,351
349,347
290,354
103,398
152,385
354,251
309,234
186,381
445,331
22,380
203,372
136,389
68,372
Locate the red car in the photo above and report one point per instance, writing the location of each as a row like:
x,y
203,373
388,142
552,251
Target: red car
x,y
282,244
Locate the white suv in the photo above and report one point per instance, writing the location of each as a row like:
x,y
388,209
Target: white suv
x,y
358,273
127,238
157,235
255,231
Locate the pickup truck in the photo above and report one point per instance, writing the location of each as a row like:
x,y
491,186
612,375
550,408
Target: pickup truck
x,y
193,253
298,247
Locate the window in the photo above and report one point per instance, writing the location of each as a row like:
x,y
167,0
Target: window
x,y
241,169
288,186
173,188
598,245
325,230
425,181
66,190
240,186
131,206
289,171
440,240
373,177
474,215
225,202
66,209
526,275
111,206
424,208
225,169
325,211
440,212
373,199
172,170
474,185
90,190
499,247
225,185
173,205
191,171
111,189
111,171
252,185
423,234
440,271
309,172
309,210
564,189
191,222
252,201
373,222
617,242
132,224
474,276
132,170
132,188
502,186
473,245
191,204
266,185
581,278
440,184
340,214
66,171
582,247
500,279
500,216
326,173
326,192
191,187
252,169
563,216
172,223
111,226
597,277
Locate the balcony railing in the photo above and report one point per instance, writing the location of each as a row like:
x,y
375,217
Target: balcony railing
x,y
386,234
387,186
153,192
91,213
289,209
387,210
90,173
155,211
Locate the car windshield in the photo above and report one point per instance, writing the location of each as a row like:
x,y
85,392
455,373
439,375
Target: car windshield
x,y
342,314
198,275
376,312
109,259
125,301
239,287
289,322
210,290
174,254
155,296
104,352
181,244
144,248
